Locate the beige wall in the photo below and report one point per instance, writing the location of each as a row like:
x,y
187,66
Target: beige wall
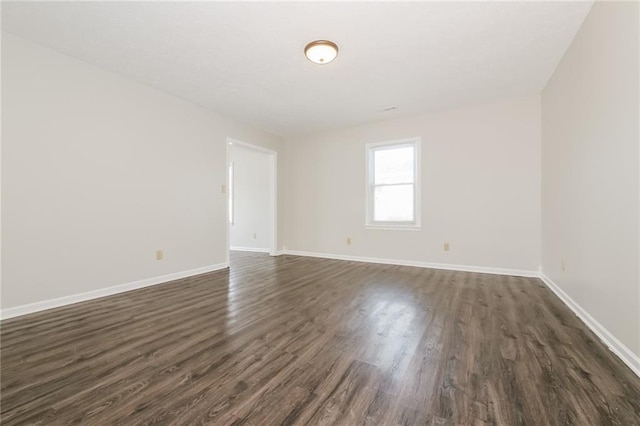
x,y
98,172
480,188
590,176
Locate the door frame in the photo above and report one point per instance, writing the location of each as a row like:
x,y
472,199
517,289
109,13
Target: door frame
x,y
273,191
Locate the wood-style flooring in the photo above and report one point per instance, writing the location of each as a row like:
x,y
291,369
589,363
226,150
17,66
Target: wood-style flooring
x,y
295,340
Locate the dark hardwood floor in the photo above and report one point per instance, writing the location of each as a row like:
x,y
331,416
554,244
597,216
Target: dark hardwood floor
x,y
294,340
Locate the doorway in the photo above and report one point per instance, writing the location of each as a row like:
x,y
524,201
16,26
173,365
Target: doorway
x,y
252,198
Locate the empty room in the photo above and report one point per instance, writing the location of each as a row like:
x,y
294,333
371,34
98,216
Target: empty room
x,y
320,213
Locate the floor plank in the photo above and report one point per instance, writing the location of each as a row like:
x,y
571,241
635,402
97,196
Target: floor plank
x,y
294,340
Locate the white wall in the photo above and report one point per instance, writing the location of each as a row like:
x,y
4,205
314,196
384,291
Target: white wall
x,y
480,188
252,222
590,175
98,172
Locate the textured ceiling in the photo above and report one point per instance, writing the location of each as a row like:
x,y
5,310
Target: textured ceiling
x,y
245,60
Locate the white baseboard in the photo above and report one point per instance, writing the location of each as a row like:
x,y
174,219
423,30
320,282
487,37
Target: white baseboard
x,y
419,264
617,347
107,291
253,249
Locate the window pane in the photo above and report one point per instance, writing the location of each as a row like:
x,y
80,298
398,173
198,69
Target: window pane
x,y
393,203
393,165
230,193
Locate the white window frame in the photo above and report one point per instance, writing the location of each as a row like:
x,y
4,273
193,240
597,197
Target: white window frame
x,y
230,190
370,148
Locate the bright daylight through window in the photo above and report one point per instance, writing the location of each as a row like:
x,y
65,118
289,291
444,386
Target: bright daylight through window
x,y
392,184
230,194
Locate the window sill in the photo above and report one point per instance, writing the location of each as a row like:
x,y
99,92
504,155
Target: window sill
x,y
394,227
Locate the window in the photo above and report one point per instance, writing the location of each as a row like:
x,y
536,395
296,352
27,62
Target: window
x,y
393,176
230,193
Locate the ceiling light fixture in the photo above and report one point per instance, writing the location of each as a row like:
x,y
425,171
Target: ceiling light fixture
x,y
321,51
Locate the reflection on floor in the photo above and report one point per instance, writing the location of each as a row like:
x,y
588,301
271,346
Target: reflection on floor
x,y
313,341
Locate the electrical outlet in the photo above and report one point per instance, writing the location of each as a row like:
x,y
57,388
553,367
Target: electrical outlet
x,y
223,189
255,235
446,247
348,241
563,266
159,254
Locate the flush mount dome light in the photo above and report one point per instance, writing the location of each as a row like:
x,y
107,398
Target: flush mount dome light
x,y
321,51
